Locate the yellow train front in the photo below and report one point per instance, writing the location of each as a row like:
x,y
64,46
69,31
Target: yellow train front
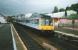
x,y
46,23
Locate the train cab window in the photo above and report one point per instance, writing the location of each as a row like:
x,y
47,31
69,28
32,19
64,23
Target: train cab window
x,y
46,22
42,22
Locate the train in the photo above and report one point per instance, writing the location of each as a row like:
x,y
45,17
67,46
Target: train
x,y
44,23
41,23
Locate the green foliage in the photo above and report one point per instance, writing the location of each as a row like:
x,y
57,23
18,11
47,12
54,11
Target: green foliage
x,y
75,7
61,9
68,8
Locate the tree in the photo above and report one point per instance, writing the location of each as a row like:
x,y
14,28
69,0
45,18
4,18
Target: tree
x,y
66,11
9,19
67,8
75,7
55,9
61,9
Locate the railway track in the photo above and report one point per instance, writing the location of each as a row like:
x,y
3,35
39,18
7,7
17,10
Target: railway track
x,y
28,40
59,43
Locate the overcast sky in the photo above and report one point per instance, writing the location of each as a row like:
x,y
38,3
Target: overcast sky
x,y
12,7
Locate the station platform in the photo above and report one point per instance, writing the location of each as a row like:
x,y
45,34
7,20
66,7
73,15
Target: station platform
x,y
19,45
70,31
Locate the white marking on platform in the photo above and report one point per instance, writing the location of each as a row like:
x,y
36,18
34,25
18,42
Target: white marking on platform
x,y
14,43
68,34
20,39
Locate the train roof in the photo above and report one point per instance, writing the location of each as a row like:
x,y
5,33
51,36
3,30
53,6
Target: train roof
x,y
37,16
45,16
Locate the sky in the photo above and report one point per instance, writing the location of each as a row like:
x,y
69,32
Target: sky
x,y
14,7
